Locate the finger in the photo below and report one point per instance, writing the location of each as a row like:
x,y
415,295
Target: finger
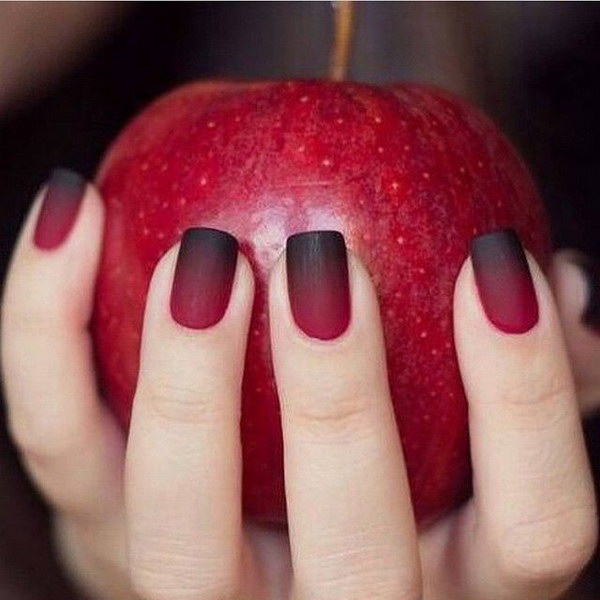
x,y
69,442
352,530
183,473
533,522
575,280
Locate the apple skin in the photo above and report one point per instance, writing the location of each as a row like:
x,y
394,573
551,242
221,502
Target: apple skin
x,y
407,172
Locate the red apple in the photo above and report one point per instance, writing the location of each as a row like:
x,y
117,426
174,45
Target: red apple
x,y
408,173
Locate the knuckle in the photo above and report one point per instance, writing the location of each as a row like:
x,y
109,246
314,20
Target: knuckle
x,y
552,548
359,588
178,574
183,404
539,402
339,409
359,569
28,319
40,436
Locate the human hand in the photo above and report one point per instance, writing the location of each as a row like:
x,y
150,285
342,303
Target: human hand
x,y
575,280
162,516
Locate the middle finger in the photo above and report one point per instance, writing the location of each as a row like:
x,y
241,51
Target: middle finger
x,y
352,530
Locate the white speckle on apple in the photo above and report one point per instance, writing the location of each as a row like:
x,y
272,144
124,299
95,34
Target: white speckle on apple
x,y
406,147
141,214
203,181
378,120
165,204
380,149
182,201
145,166
160,235
395,185
163,167
421,271
326,162
479,164
426,175
301,148
145,232
304,99
391,313
400,240
237,118
339,121
461,169
211,124
434,352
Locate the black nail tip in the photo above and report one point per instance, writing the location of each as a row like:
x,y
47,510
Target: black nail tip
x,y
215,237
315,238
66,178
507,237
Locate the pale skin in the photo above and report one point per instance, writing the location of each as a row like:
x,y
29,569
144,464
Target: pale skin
x,y
158,516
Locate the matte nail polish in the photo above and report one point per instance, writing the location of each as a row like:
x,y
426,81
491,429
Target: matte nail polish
x,y
317,275
59,208
504,281
203,277
591,314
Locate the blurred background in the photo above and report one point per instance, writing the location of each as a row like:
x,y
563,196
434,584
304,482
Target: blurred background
x,y
72,73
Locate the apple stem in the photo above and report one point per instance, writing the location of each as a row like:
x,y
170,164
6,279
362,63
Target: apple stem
x,y
344,31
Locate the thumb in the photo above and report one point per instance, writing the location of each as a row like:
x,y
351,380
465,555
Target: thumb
x,y
575,280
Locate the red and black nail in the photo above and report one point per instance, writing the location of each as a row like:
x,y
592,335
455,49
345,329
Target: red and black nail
x,y
504,282
317,275
59,210
591,314
203,277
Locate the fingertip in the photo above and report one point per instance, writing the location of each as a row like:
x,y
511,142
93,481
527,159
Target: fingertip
x,y
202,282
571,280
54,265
574,281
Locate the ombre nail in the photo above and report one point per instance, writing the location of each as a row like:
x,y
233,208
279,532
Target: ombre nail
x,y
203,277
504,281
59,209
317,275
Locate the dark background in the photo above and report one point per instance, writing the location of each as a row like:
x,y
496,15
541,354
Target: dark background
x,y
532,66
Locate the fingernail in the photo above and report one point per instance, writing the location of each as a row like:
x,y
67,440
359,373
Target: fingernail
x,y
591,314
504,281
59,209
203,277
317,275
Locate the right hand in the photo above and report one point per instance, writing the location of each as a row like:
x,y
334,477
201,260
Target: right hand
x,y
164,515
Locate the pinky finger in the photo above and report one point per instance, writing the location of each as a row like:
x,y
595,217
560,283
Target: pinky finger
x,y
69,443
575,281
